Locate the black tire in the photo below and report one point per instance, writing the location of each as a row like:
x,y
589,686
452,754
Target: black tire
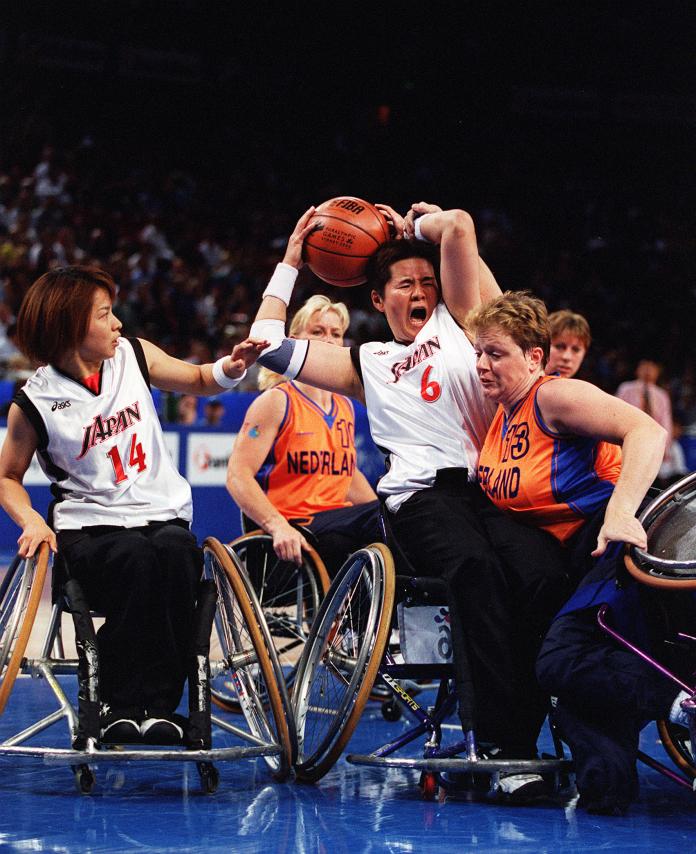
x,y
20,594
249,666
289,597
341,659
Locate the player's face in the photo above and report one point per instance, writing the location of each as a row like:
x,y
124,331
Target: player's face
x,y
567,353
505,371
103,330
324,326
410,297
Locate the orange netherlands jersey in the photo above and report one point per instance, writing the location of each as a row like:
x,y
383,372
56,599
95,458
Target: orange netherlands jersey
x,y
311,463
543,478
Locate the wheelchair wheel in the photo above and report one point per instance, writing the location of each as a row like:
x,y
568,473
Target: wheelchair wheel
x,y
341,659
669,561
289,597
20,594
675,740
246,661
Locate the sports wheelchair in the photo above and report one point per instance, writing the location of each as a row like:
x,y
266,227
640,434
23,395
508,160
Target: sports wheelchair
x,y
668,565
288,596
349,647
240,653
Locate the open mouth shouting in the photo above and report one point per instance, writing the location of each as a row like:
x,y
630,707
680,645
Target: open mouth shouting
x,y
418,315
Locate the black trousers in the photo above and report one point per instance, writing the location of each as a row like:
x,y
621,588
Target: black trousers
x,y
343,531
144,581
505,582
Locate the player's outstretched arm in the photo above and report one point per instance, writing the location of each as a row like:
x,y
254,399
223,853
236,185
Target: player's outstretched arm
x,y
316,363
171,374
579,408
460,265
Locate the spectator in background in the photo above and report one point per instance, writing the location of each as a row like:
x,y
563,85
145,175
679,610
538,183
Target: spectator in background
x,y
213,413
187,410
644,393
570,340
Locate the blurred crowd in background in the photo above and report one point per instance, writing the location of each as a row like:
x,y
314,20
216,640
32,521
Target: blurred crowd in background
x,y
177,148
190,278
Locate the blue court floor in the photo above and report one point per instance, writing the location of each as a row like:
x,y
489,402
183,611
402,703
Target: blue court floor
x,y
159,807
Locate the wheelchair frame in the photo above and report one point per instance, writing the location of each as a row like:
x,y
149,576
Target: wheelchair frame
x,y
247,657
359,609
664,574
289,597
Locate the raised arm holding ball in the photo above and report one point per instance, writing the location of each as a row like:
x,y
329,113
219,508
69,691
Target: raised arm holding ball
x,y
427,409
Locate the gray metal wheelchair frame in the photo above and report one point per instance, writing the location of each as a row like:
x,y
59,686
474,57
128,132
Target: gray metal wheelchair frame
x,y
51,663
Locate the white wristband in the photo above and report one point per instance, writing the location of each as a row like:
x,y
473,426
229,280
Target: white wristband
x,y
417,229
282,282
221,377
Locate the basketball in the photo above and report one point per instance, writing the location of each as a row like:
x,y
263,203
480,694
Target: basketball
x,y
347,231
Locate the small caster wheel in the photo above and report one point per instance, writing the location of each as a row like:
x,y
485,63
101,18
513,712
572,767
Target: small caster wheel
x,y
428,785
84,779
391,711
210,778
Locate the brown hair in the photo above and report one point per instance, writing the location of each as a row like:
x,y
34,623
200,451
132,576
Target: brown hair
x,y
568,321
519,314
55,312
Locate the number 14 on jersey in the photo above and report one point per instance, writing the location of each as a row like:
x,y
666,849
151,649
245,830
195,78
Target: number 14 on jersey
x,y
136,457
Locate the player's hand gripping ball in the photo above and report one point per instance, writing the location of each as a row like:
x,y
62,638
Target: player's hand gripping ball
x,y
347,231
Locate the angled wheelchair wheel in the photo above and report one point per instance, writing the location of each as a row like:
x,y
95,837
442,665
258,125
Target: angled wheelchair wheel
x,y
243,659
670,523
675,740
289,597
341,659
20,594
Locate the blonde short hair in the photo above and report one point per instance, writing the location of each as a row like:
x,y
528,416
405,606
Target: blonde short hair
x,y
317,303
568,321
519,314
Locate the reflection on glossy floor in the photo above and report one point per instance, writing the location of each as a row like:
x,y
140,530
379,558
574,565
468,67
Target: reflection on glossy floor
x,y
159,807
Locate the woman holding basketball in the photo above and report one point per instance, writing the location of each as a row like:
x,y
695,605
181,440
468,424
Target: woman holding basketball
x,y
427,409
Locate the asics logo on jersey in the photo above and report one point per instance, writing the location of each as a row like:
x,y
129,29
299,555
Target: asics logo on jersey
x,y
102,429
60,404
420,354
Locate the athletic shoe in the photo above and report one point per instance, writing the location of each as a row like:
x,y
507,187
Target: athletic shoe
x,y
120,731
689,707
161,731
515,787
521,788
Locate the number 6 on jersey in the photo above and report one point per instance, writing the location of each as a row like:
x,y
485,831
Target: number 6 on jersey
x,y
430,390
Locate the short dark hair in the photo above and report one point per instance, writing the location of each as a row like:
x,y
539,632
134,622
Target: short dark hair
x,y
55,313
379,266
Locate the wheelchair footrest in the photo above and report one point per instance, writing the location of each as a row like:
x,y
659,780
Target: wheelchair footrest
x,y
60,756
454,763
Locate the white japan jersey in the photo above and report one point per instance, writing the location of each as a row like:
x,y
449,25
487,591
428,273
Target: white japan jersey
x,y
104,452
425,405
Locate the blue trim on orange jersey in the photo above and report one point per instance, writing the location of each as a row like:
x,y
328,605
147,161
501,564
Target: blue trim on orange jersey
x,y
574,479
330,416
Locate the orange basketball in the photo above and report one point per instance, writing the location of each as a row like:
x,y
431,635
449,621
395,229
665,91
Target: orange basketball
x,y
347,231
